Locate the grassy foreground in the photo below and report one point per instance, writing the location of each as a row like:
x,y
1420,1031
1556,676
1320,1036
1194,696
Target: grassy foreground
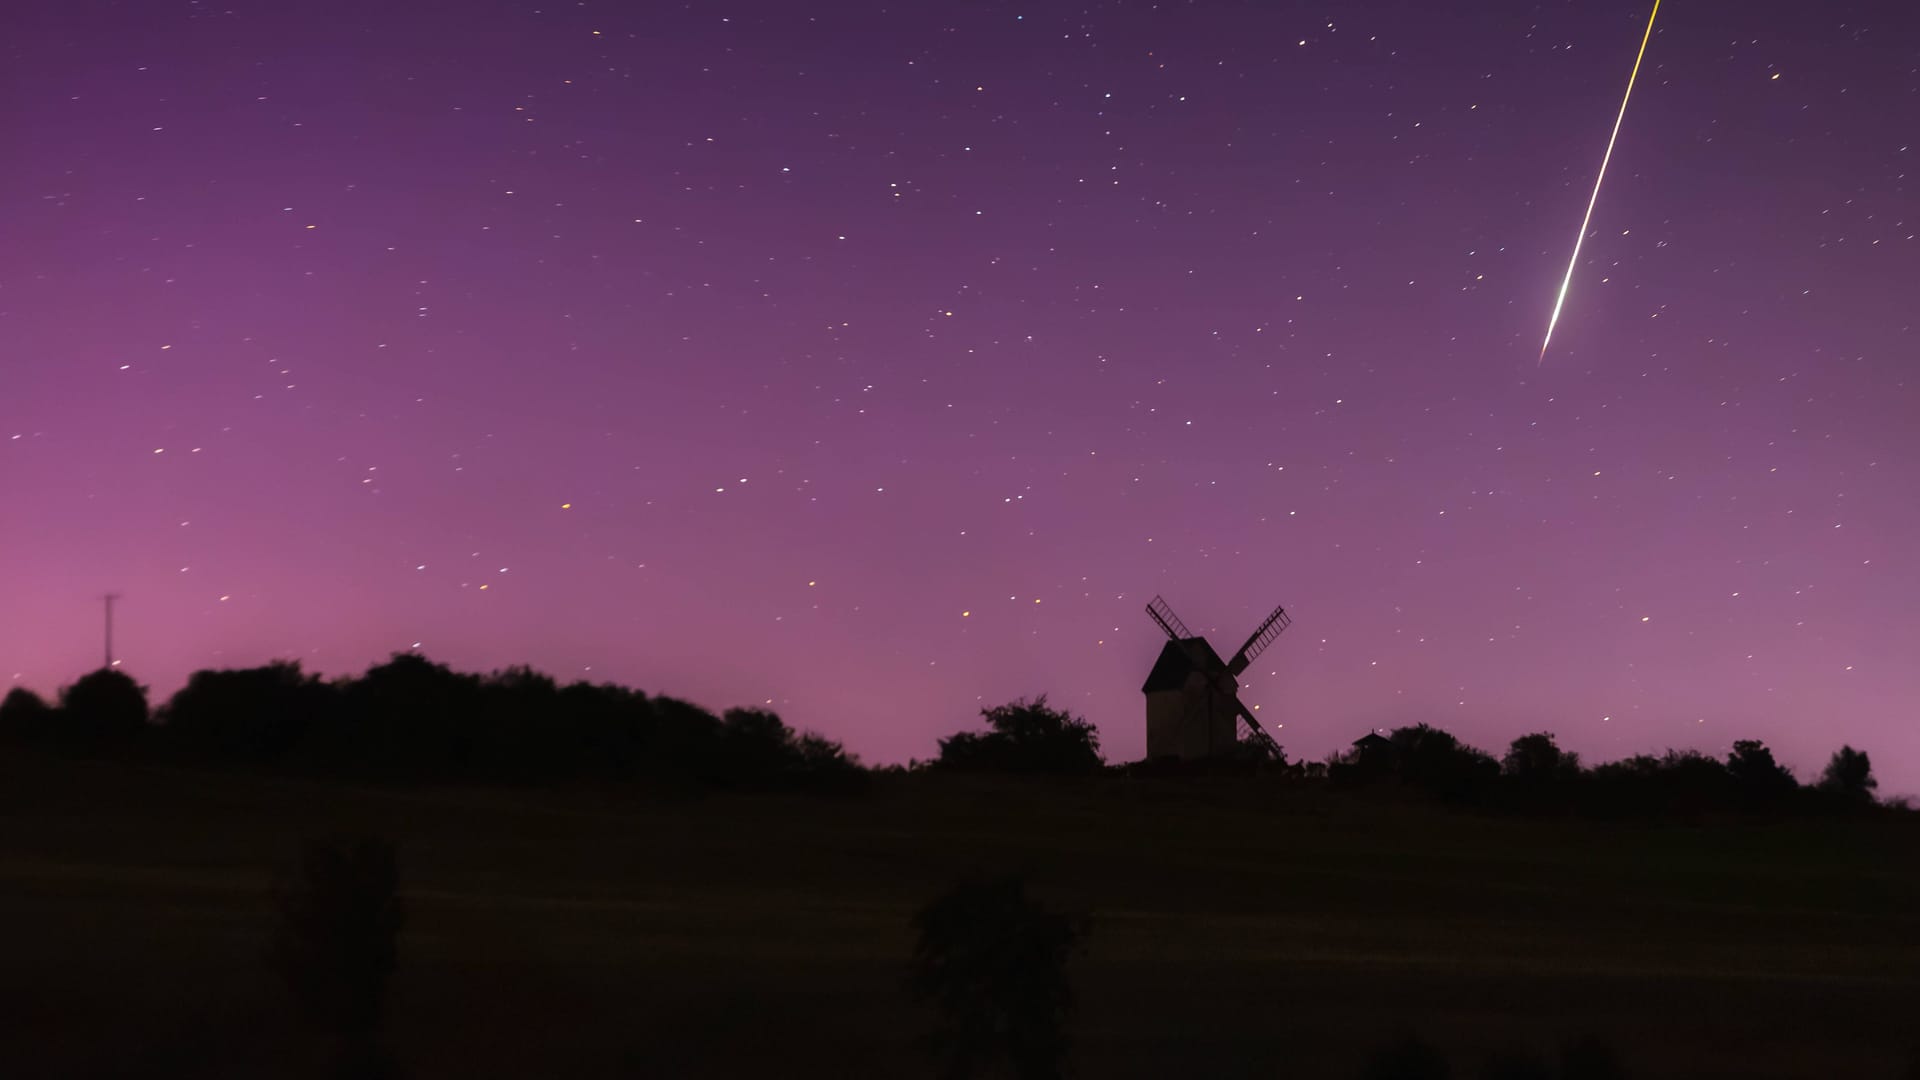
x,y
1238,929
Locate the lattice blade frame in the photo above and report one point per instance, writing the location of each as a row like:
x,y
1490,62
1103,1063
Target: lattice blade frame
x,y
1159,611
1257,643
1259,734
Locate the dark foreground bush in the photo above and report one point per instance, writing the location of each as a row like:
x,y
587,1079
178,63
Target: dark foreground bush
x,y
337,938
993,963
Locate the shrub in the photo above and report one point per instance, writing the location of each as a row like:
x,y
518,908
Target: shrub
x,y
1849,776
1025,736
993,962
336,942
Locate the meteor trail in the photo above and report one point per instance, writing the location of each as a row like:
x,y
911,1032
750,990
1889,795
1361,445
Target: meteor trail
x,y
1578,240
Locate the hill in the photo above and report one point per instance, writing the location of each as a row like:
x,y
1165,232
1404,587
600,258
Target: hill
x,y
1238,928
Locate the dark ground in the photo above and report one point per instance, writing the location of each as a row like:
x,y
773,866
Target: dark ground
x,y
1239,930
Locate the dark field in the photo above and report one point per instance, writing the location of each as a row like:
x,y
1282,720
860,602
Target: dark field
x,y
1238,930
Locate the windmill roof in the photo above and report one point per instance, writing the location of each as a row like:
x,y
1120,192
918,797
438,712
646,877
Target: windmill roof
x,y
1176,662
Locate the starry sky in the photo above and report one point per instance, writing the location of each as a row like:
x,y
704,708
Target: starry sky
x,y
879,361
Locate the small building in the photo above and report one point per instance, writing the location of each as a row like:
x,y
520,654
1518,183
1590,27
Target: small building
x,y
1372,750
1192,711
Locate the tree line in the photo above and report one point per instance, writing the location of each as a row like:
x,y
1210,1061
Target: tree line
x,y
412,719
1534,775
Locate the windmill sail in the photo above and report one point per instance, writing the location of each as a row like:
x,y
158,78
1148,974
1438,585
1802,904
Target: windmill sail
x,y
1193,699
1259,735
1162,614
1261,638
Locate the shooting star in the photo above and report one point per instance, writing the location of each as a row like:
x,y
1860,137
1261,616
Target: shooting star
x,y
1578,240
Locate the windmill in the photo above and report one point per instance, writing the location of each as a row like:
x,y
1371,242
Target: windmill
x,y
1193,696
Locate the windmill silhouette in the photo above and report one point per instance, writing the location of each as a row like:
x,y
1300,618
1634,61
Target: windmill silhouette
x,y
1193,697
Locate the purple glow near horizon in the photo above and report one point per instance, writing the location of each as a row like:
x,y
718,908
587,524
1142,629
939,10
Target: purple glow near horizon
x,y
882,363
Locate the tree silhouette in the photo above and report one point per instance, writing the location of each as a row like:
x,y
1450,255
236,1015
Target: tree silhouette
x,y
336,943
103,708
683,738
1753,769
1428,757
1025,736
1849,775
756,745
25,716
408,717
1676,783
993,962
516,729
412,719
757,749
608,726
1537,758
251,714
825,766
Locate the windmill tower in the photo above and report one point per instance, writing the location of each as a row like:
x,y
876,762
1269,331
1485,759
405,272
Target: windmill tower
x,y
1193,700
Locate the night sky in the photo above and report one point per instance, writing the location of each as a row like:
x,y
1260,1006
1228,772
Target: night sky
x,y
882,361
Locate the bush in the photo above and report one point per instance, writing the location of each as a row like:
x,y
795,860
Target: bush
x,y
336,943
994,964
1760,779
1430,758
1848,776
1537,759
1027,737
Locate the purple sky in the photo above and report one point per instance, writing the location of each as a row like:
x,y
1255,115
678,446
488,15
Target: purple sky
x,y
881,361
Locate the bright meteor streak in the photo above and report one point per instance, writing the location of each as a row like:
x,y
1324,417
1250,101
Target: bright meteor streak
x,y
1578,240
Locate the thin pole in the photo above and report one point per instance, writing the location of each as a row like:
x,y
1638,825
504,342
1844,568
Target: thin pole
x,y
111,597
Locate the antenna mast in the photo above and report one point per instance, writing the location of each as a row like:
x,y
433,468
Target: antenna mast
x,y
111,597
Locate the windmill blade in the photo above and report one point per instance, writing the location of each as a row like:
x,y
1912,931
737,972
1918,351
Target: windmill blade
x,y
1226,687
1260,737
1162,614
1260,639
